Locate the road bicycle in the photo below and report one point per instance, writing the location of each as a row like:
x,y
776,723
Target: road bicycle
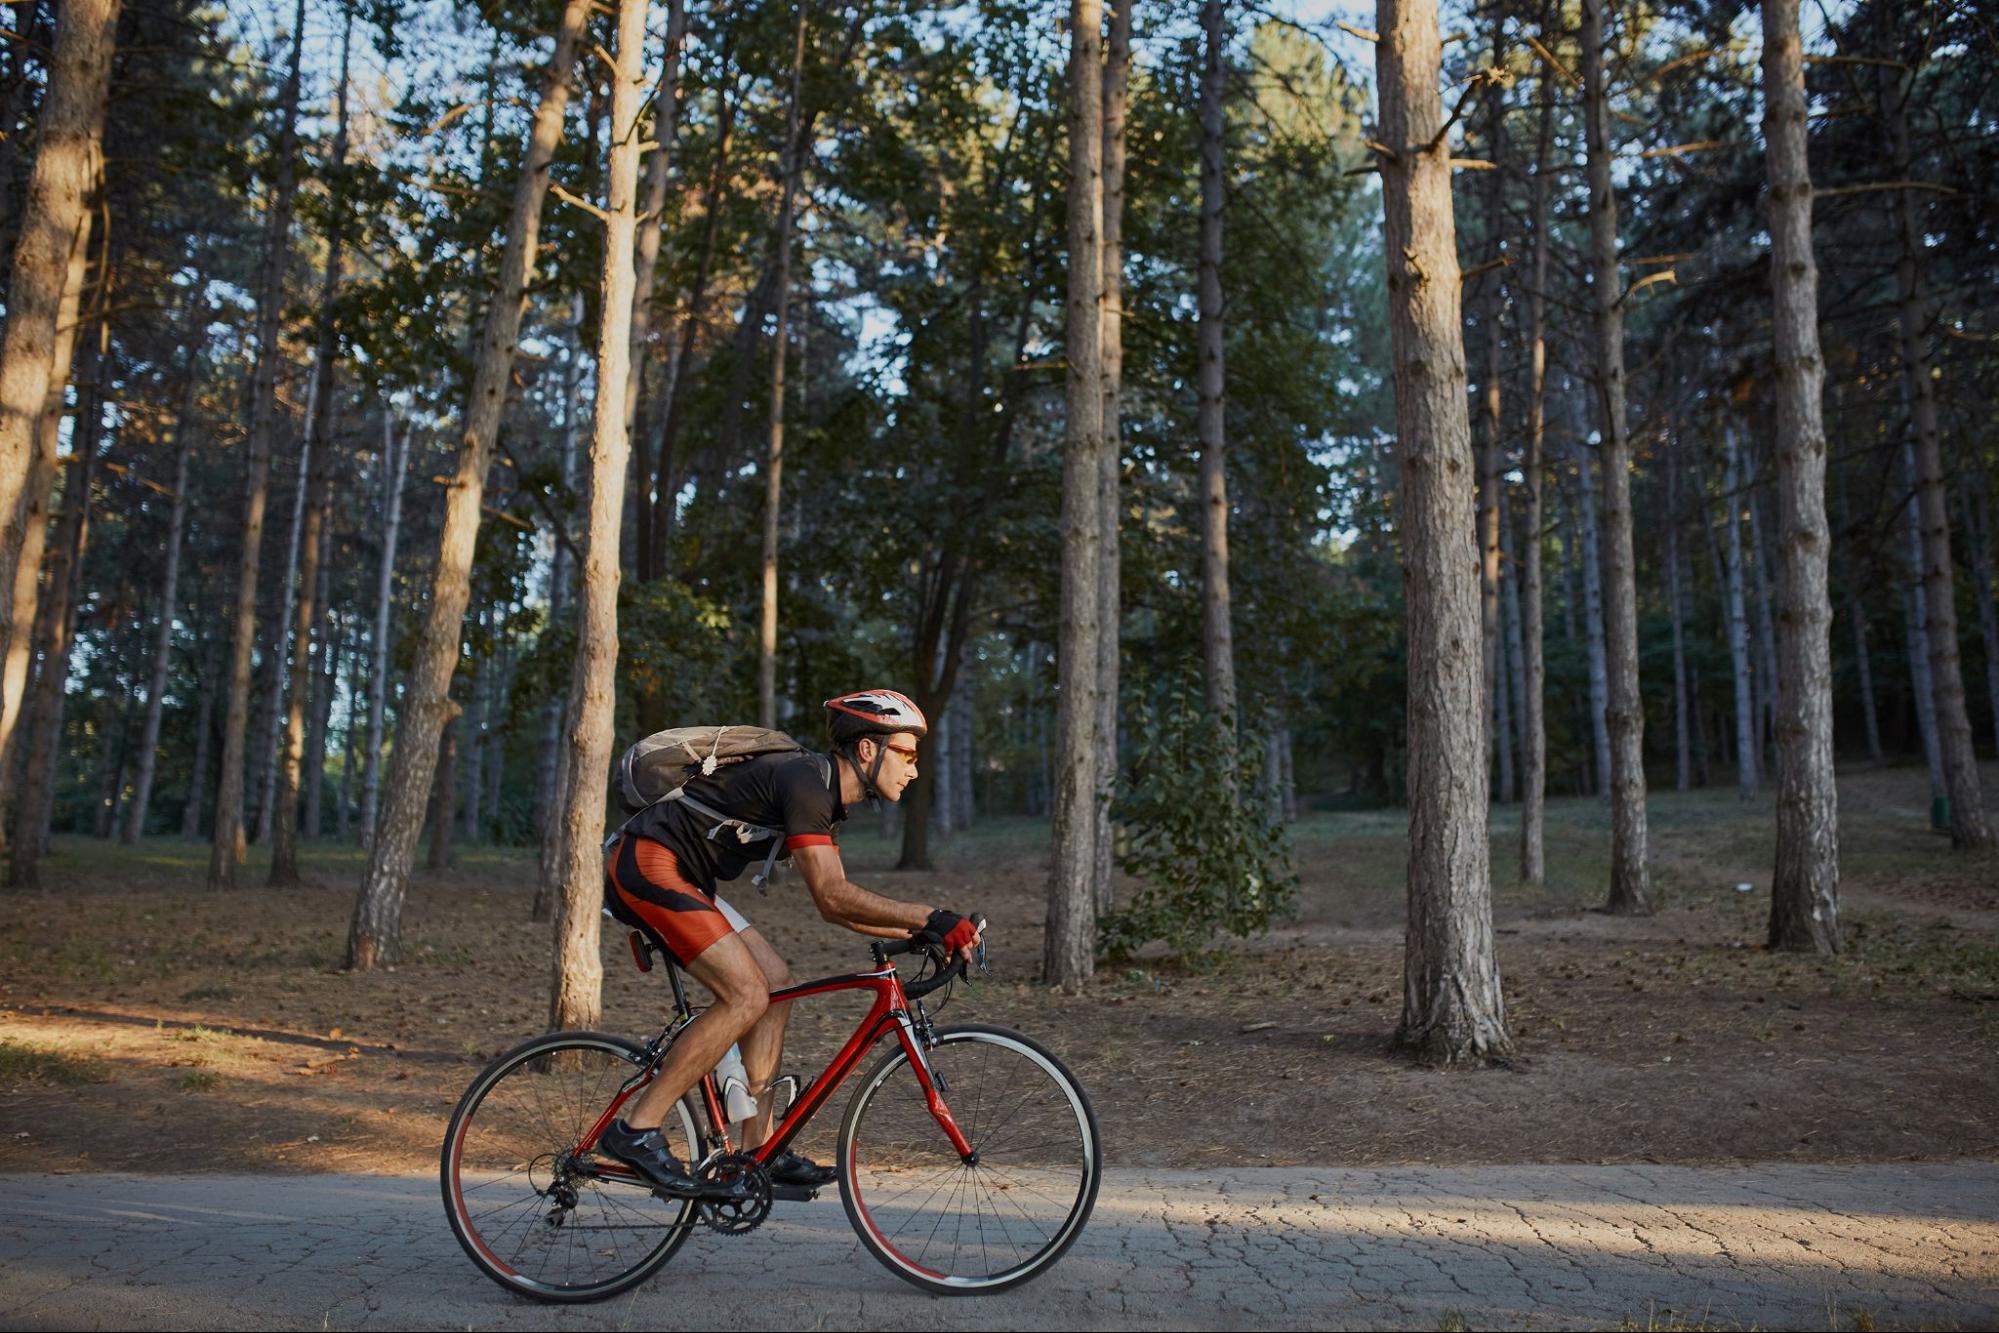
x,y
975,1195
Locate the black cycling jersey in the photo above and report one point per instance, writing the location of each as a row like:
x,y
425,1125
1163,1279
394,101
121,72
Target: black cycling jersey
x,y
787,791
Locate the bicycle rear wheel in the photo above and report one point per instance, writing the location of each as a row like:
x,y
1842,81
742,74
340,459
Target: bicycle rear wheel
x,y
535,1216
957,1229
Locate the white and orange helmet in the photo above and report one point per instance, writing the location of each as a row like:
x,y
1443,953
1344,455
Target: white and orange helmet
x,y
873,713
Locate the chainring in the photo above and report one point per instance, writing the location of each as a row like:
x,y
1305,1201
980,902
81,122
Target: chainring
x,y
738,1217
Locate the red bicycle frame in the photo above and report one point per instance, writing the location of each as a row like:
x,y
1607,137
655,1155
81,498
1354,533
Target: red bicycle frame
x,y
889,1010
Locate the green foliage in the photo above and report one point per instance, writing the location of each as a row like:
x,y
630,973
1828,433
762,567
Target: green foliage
x,y
1212,865
21,1063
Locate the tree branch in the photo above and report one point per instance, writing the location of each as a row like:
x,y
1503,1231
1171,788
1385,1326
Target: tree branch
x,y
555,188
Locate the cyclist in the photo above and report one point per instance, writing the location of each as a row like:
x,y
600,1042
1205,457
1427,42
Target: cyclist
x,y
661,876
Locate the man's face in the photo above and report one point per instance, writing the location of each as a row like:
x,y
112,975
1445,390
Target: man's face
x,y
898,767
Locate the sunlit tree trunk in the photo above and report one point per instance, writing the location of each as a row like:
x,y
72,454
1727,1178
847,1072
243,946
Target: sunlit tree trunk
x,y
31,811
1452,1008
1116,95
27,535
1070,955
774,458
576,998
375,935
1624,717
1218,650
1804,895
54,226
306,608
226,846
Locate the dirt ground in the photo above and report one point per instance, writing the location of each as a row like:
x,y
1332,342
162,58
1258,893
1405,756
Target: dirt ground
x,y
148,1025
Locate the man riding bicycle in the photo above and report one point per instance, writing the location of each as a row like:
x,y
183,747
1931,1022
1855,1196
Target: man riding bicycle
x,y
661,875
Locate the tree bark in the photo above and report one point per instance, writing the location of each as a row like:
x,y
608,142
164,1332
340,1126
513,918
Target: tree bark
x,y
26,535
1624,717
395,460
1804,895
1490,305
1533,707
1593,622
204,732
443,807
326,683
306,608
652,219
54,226
1916,622
1769,683
31,812
1969,828
226,847
1217,649
1748,754
575,999
551,786
774,458
375,935
1070,954
1110,617
1978,519
1452,1009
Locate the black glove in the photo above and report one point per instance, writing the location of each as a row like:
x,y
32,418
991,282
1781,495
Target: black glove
x,y
950,930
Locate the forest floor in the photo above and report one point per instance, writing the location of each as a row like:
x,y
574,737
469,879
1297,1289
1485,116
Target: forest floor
x,y
149,1025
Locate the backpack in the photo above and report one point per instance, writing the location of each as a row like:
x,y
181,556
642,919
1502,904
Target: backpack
x,y
659,767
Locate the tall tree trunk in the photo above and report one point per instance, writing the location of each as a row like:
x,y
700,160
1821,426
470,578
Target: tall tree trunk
x,y
1593,619
1217,649
264,761
1624,718
1769,685
1969,828
395,460
326,682
961,748
163,631
1683,749
472,807
309,538
204,733
1863,664
375,935
575,999
1916,622
1533,707
1452,1009
652,220
31,813
1748,754
1514,650
26,535
1804,895
551,785
54,227
1978,519
1070,954
226,847
774,459
1491,303
1110,613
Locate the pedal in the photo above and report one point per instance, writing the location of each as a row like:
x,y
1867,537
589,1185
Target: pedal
x,y
793,1193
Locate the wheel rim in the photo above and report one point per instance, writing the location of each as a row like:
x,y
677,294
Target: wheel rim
x,y
931,1215
530,1212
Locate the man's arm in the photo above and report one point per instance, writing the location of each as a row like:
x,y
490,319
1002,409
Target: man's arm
x,y
846,903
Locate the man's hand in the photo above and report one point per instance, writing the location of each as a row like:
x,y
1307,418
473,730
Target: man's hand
x,y
958,934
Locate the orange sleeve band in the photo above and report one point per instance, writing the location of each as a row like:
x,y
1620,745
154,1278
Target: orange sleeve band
x,y
797,840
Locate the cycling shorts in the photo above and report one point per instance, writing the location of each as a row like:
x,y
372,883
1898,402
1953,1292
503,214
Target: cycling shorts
x,y
645,889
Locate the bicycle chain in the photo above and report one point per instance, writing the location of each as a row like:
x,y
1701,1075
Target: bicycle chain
x,y
738,1218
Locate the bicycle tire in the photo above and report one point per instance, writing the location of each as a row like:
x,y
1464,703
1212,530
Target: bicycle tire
x,y
1030,1192
517,1121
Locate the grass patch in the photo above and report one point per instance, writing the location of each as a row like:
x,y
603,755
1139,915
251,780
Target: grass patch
x,y
200,1080
21,1063
209,993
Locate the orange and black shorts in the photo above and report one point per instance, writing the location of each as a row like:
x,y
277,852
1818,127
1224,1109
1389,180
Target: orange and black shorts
x,y
645,889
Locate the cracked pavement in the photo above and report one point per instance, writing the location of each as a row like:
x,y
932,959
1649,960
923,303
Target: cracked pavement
x,y
1769,1246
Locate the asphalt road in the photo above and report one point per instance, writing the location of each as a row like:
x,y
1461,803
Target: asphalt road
x,y
1772,1246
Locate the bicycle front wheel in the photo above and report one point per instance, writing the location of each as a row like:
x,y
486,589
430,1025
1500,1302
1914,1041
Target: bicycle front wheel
x,y
532,1213
957,1229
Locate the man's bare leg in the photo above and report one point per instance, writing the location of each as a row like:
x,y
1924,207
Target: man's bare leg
x,y
763,1044
728,969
